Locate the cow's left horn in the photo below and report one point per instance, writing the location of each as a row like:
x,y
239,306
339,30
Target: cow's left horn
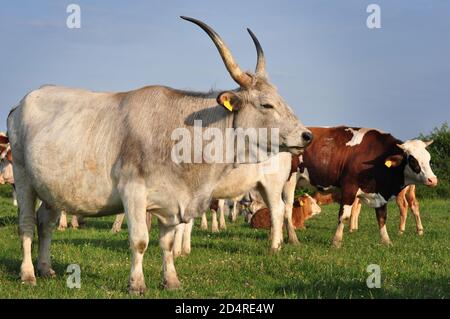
x,y
242,78
261,61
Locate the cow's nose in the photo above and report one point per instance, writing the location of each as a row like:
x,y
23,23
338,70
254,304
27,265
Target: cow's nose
x,y
432,181
307,137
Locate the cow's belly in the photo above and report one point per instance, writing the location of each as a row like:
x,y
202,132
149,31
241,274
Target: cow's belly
x,y
76,178
374,200
237,182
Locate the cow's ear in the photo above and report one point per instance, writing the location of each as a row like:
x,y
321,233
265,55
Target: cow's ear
x,y
230,100
9,155
428,143
4,139
393,160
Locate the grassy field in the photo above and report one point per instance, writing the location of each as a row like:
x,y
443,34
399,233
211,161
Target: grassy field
x,y
236,263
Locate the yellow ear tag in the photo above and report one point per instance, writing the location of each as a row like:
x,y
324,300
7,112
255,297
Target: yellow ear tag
x,y
388,163
227,104
302,203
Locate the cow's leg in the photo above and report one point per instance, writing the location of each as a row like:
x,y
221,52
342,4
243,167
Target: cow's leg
x,y
47,219
27,222
354,218
414,204
134,202
214,224
234,212
403,208
344,214
273,198
116,227
204,224
178,240
186,249
345,210
288,196
222,224
148,221
381,213
166,239
74,222
62,221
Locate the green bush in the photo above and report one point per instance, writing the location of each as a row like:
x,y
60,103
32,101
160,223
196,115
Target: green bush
x,y
440,163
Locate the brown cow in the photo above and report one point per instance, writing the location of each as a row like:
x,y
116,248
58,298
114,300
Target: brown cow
x,y
304,208
364,163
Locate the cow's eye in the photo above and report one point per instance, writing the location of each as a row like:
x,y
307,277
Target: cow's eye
x,y
267,106
414,164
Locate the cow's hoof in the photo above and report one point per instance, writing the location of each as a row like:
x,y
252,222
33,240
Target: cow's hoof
x,y
401,232
203,227
420,232
28,279
115,230
172,284
214,230
336,243
294,242
176,254
386,242
62,228
185,252
47,272
137,288
275,250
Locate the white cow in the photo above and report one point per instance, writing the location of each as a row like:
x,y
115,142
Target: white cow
x,y
270,178
92,153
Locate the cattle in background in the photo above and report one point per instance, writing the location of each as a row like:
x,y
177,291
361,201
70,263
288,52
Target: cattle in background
x,y
117,225
113,151
76,221
6,168
405,199
364,163
304,208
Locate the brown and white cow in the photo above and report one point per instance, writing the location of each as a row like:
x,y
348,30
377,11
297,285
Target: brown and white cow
x,y
304,208
365,163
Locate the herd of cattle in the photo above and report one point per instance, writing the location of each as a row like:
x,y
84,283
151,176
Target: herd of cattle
x,y
96,154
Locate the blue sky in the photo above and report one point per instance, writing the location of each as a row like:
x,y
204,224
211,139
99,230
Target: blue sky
x,y
326,63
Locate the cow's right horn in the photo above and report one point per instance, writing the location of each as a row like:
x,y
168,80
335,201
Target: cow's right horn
x,y
242,78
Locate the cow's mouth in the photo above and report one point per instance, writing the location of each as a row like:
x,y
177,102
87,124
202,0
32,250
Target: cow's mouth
x,y
296,150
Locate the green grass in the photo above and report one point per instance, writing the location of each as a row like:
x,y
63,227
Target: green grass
x,y
236,263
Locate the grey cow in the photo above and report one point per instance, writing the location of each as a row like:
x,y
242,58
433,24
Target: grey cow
x,y
94,153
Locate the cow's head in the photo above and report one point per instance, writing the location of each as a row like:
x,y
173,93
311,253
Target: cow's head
x,y
311,208
417,168
256,103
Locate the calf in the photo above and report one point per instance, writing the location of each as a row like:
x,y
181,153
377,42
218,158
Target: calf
x,y
364,163
304,208
405,199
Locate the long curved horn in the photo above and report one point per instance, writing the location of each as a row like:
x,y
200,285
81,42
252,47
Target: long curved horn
x,y
242,78
261,61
